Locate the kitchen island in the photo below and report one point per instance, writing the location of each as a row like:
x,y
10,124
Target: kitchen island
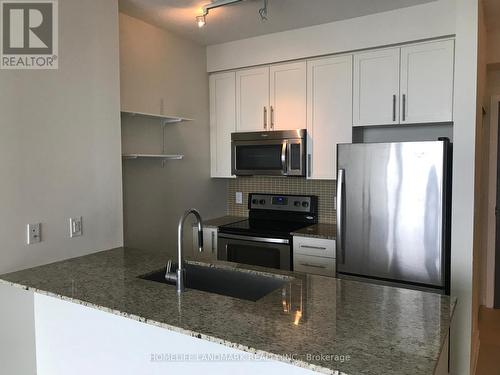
x,y
312,323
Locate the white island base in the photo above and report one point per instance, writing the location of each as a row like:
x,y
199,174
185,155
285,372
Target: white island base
x,y
79,340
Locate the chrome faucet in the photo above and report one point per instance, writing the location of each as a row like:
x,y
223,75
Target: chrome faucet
x,y
179,276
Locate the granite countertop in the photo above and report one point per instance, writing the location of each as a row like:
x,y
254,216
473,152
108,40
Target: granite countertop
x,y
223,220
325,231
377,329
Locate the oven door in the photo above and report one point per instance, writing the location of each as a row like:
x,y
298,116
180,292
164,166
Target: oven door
x,y
256,251
263,157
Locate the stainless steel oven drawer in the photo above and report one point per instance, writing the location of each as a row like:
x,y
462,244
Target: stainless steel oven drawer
x,y
265,252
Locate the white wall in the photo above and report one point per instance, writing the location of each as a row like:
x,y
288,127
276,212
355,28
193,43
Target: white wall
x,y
397,133
430,20
59,157
171,71
60,143
464,134
481,187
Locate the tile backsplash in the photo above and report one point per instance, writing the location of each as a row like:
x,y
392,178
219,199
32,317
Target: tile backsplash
x,y
324,189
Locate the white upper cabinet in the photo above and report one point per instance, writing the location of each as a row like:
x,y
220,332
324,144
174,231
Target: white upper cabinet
x,y
329,112
252,99
287,108
329,95
427,82
376,87
222,121
408,85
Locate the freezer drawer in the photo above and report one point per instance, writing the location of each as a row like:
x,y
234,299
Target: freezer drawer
x,y
314,246
314,265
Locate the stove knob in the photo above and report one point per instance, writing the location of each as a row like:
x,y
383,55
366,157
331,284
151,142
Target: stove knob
x,y
262,201
296,203
305,204
255,201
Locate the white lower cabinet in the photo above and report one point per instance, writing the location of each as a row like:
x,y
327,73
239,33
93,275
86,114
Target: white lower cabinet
x,y
209,244
314,265
314,255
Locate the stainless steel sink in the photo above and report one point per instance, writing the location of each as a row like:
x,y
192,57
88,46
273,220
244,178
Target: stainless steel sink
x,y
226,282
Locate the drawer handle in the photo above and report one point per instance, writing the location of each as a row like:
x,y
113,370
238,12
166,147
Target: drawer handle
x,y
311,265
313,247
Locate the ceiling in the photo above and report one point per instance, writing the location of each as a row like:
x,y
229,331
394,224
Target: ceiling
x,y
242,20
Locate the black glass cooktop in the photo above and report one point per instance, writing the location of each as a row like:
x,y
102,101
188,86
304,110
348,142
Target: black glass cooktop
x,y
262,228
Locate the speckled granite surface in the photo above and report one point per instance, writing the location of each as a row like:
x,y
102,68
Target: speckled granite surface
x,y
218,221
325,231
382,330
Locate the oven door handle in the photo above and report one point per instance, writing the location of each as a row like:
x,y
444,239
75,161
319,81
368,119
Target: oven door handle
x,y
284,164
255,239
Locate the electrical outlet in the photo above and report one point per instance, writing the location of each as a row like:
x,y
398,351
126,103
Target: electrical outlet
x,y
34,233
239,197
75,227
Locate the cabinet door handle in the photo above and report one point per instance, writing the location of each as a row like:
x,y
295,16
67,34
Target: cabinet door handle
x,y
213,242
313,247
272,118
311,265
404,107
265,118
394,108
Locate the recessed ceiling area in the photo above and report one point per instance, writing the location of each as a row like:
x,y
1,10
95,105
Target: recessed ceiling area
x,y
241,20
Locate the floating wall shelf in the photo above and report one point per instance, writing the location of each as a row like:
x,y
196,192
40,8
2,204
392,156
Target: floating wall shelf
x,y
165,119
152,156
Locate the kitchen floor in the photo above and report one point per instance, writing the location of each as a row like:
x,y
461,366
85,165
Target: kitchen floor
x,y
489,336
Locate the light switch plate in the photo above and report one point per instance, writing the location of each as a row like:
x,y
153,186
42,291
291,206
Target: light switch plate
x,y
239,197
34,233
75,227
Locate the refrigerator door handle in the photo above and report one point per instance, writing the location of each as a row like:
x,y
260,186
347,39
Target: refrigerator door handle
x,y
340,211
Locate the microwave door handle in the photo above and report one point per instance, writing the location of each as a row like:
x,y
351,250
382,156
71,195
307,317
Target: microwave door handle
x,y
284,158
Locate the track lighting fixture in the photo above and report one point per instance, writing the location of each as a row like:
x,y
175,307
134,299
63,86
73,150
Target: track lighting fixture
x,y
201,19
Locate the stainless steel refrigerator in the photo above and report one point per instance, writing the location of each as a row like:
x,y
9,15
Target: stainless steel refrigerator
x,y
393,213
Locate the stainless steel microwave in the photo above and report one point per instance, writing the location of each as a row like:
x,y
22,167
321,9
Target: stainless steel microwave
x,y
270,153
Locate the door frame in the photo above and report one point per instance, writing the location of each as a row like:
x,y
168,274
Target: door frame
x,y
491,248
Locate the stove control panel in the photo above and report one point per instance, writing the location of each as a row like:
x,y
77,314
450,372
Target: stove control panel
x,y
295,203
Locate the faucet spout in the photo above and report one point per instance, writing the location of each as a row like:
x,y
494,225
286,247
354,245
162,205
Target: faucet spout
x,y
180,235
